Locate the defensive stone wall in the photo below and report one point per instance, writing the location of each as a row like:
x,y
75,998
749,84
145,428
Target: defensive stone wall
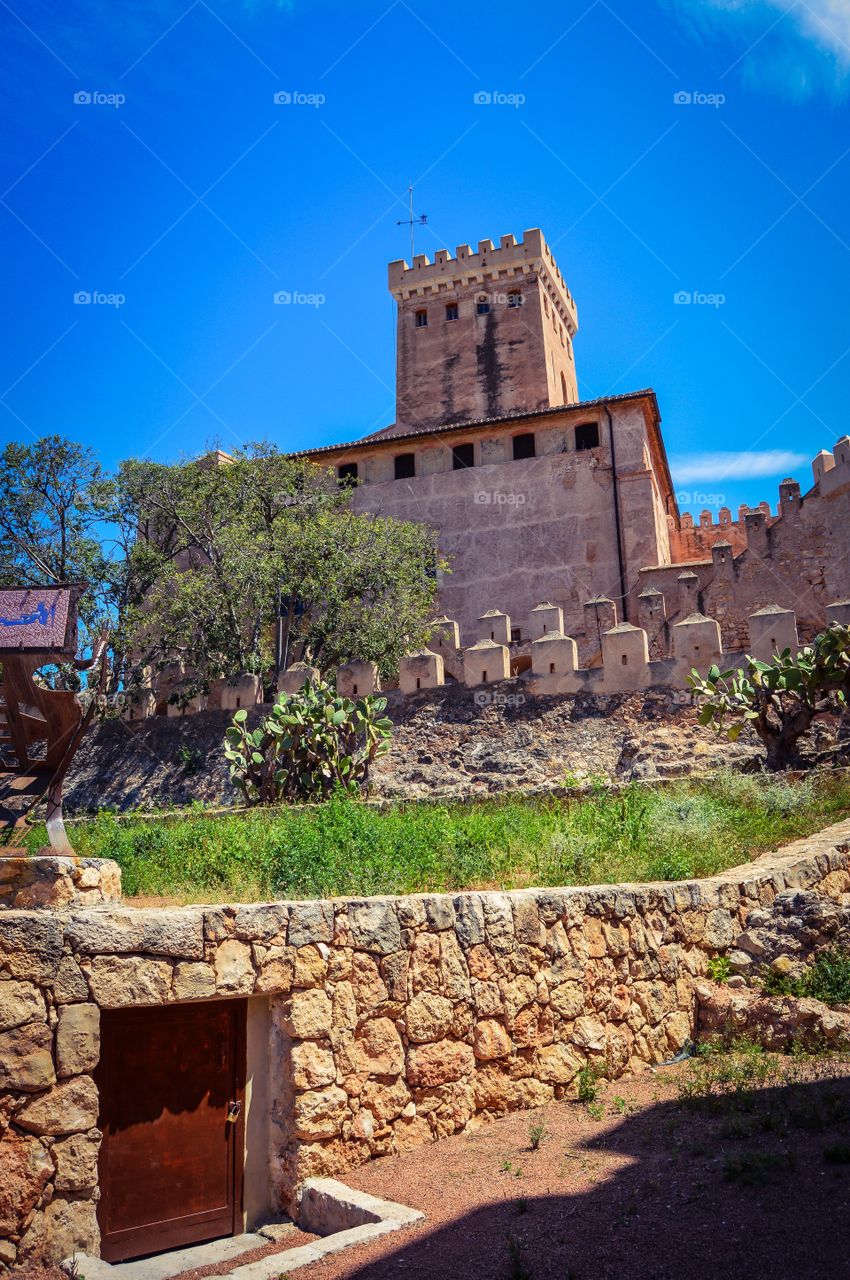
x,y
393,1021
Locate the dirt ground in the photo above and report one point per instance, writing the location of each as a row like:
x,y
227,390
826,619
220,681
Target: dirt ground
x,y
638,1185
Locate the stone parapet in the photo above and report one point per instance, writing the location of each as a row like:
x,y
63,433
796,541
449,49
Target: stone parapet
x,y
51,880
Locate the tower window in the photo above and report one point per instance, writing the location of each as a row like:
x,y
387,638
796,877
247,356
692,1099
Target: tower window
x,y
587,436
405,466
463,455
564,389
483,308
451,311
524,446
516,635
421,319
347,472
515,299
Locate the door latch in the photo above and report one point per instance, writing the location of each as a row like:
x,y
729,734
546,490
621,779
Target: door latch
x,y
233,1112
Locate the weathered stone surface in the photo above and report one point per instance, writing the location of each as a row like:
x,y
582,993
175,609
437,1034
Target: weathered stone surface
x,y
69,1107
312,1065
491,1040
26,1058
68,1226
374,926
310,967
77,1039
158,931
261,922
558,1063
719,929
428,1017
193,980
234,968
19,1002
76,1161
70,983
434,1064
319,1113
369,988
310,922
30,945
380,1048
25,1170
589,1033
567,1000
469,920
385,1101
117,981
308,1015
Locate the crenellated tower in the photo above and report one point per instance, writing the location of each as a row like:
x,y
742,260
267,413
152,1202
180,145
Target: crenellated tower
x,y
484,334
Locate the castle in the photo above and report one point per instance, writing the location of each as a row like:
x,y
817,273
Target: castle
x,y
571,564
539,497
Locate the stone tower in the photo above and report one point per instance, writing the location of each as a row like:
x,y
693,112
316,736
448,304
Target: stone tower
x,y
482,335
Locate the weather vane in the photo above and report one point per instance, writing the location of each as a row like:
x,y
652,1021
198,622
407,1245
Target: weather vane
x,y
412,222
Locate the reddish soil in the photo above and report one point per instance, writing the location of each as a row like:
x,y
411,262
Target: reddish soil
x,y
642,1186
734,1190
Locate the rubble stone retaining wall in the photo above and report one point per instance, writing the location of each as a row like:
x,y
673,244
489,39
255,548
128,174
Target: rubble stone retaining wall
x,y
394,1021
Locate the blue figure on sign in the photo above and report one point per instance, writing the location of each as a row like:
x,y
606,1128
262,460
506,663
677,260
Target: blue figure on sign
x,y
41,615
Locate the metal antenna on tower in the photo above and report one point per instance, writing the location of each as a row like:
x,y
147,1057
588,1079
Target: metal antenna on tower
x,y
412,222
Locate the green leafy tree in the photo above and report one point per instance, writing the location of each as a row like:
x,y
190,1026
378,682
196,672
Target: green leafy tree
x,y
310,744
229,545
779,699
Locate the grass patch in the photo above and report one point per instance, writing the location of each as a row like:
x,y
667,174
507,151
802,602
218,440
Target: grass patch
x,y
345,848
827,979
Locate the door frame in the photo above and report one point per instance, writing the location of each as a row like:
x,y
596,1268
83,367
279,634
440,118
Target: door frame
x,y
118,1246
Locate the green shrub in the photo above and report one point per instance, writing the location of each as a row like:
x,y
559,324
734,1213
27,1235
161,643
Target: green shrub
x,y
311,743
719,968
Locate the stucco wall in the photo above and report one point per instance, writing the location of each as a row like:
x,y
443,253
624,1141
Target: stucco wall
x,y
394,1021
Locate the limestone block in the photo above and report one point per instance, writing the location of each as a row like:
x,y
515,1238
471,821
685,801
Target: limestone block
x,y
117,981
428,1017
76,1161
25,1170
440,1063
310,968
20,1002
307,1015
312,1065
234,968
319,1113
310,922
374,926
77,1039
379,1047
154,931
70,983
485,662
421,670
558,1064
293,679
26,1058
368,986
30,945
70,1226
261,922
491,1040
193,980
69,1107
386,1102
554,655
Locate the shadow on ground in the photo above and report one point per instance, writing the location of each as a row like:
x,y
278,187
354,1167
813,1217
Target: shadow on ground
x,y
749,1186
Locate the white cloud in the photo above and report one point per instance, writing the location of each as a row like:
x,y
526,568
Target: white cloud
x,y
689,468
796,46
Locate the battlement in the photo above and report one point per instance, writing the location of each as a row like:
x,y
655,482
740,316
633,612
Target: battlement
x,y
487,263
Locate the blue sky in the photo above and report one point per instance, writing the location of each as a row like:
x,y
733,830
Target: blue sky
x,y
185,194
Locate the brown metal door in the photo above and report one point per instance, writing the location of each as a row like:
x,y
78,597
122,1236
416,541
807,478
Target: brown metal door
x,y
171,1160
